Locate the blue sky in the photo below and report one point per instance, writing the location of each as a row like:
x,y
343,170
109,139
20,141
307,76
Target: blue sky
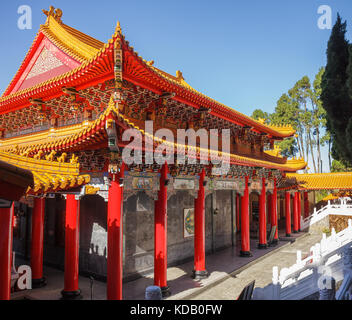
x,y
243,53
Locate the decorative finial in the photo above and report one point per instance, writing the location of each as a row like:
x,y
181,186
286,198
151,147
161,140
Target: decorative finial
x,y
55,13
179,75
118,28
150,63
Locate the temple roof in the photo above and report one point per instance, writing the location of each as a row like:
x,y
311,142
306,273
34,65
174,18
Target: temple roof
x,y
59,38
49,175
318,181
79,60
88,133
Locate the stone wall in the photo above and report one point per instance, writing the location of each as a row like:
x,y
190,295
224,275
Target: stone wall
x,y
222,221
320,226
138,232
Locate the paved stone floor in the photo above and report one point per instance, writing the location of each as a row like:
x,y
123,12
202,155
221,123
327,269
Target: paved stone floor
x,y
229,274
261,271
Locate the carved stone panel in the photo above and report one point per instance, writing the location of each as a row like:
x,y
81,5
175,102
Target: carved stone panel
x,y
338,222
226,184
141,181
270,186
256,186
188,183
219,184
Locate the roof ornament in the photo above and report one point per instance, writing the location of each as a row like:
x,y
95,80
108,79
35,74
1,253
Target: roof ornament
x,y
118,30
179,76
55,13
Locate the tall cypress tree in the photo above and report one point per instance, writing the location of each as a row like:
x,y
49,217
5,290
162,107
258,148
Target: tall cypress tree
x,y
335,90
349,86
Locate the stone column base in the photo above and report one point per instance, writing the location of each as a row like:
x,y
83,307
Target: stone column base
x,y
71,295
199,275
245,254
38,283
165,292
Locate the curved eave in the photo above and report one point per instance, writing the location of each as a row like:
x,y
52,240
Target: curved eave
x,y
27,163
49,183
70,138
85,136
41,176
288,166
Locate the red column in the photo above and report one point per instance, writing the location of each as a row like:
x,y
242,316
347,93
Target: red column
x,y
199,271
306,204
6,223
245,235
160,235
299,211
262,217
115,237
37,243
288,213
238,199
295,213
270,206
71,290
274,214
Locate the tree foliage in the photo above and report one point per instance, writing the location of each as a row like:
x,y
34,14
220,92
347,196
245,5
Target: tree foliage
x,y
340,166
336,92
260,114
301,107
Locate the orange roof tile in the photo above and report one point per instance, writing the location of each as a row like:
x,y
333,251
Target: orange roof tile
x,y
49,176
322,181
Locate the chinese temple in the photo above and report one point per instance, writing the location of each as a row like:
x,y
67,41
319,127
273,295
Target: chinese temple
x,y
62,118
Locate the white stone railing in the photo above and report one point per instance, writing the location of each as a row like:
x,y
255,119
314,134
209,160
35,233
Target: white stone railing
x,y
304,277
342,209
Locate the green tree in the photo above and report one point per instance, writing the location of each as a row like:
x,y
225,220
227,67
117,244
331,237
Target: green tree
x,y
336,91
286,112
288,147
260,114
300,94
319,119
340,166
